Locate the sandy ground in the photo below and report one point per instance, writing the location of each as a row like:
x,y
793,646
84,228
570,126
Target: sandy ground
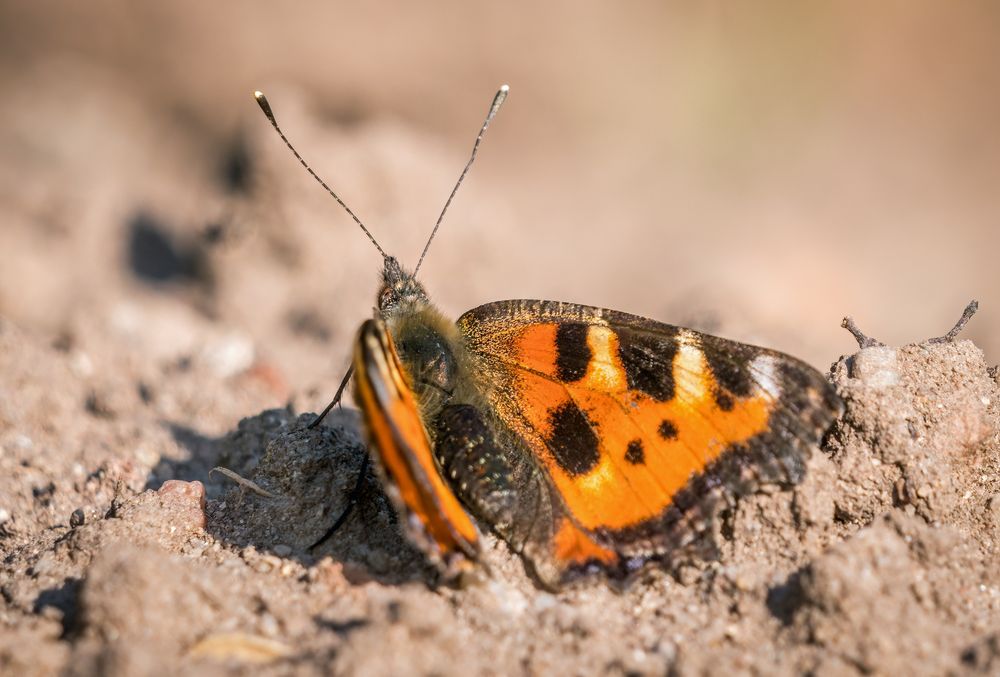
x,y
884,560
175,295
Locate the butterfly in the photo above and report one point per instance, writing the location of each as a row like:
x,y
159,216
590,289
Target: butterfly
x,y
590,440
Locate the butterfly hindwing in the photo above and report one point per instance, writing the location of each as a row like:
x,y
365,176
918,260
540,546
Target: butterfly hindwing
x,y
492,472
637,427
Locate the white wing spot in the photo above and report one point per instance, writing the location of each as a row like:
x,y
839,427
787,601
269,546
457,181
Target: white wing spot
x,y
765,374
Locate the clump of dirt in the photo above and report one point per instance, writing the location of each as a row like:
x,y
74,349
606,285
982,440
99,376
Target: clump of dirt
x,y
883,560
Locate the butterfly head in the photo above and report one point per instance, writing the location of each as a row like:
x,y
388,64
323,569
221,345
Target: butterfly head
x,y
399,290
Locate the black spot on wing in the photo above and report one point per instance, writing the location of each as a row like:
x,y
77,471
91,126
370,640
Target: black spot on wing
x,y
648,361
729,363
573,442
635,453
572,352
723,400
667,430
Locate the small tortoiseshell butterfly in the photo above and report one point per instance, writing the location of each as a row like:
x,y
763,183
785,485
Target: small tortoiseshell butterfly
x,y
588,439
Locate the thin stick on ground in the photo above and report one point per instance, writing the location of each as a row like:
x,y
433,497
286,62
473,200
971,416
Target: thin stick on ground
x,y
243,482
863,340
967,314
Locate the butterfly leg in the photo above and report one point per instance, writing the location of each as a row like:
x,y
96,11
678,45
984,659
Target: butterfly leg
x,y
336,398
352,500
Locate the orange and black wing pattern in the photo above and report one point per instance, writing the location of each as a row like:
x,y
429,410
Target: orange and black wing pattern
x,y
434,518
624,434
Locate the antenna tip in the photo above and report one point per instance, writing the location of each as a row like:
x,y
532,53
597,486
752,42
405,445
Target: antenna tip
x,y
498,100
264,105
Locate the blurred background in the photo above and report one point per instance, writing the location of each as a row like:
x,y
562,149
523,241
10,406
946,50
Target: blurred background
x,y
758,170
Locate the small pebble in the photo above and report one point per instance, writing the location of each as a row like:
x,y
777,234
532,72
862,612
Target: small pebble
x,y
186,500
194,489
45,565
81,365
876,367
229,355
269,625
688,575
282,550
146,456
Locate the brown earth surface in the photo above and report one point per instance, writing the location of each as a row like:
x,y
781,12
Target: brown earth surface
x,y
884,560
175,292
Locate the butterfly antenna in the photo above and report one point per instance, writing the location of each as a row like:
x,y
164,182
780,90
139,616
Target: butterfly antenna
x,y
498,100
266,107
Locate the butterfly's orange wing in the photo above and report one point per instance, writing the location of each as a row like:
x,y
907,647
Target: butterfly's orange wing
x,y
638,428
435,518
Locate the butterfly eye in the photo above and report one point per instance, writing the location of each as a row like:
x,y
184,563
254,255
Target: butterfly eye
x,y
385,297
